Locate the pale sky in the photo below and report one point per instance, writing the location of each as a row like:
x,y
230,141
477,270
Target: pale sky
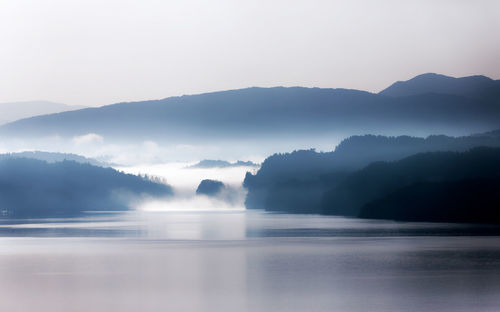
x,y
97,52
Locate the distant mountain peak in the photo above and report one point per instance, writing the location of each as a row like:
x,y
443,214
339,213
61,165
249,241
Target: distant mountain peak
x,y
470,86
209,163
440,77
432,76
25,109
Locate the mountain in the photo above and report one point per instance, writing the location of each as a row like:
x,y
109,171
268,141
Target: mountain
x,y
18,110
31,188
209,163
472,86
296,182
272,114
397,189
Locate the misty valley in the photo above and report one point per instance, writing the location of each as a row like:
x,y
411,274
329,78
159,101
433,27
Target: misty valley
x,y
258,199
105,159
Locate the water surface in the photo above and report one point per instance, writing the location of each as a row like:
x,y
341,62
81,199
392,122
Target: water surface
x,y
246,261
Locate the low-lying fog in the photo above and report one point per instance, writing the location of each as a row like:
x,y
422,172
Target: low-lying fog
x,y
168,162
128,153
185,180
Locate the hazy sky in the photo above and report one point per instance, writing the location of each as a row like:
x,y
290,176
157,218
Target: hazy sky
x,y
96,52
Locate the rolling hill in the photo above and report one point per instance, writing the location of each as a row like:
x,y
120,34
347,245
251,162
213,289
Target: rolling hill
x,y
413,106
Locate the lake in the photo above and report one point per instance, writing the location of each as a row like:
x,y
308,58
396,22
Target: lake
x,y
245,261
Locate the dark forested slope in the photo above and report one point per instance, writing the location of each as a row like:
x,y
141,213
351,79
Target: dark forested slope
x,y
295,182
34,188
381,179
465,201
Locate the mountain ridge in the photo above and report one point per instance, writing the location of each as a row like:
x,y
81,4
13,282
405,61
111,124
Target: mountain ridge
x,y
470,86
271,112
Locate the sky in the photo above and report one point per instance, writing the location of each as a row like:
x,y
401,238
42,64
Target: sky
x,y
97,52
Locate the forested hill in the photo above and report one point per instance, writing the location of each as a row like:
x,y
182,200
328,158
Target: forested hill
x,y
296,182
438,186
31,188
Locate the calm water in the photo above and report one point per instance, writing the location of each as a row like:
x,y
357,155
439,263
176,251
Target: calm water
x,y
246,261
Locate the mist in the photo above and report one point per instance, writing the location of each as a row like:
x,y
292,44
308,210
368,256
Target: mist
x,y
112,151
185,180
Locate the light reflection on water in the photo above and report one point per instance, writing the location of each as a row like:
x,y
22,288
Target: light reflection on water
x,y
227,225
245,261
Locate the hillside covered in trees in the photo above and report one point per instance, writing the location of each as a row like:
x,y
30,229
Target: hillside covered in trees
x,y
296,182
437,186
31,188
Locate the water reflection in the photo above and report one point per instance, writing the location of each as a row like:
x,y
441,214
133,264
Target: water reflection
x,y
228,225
245,261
